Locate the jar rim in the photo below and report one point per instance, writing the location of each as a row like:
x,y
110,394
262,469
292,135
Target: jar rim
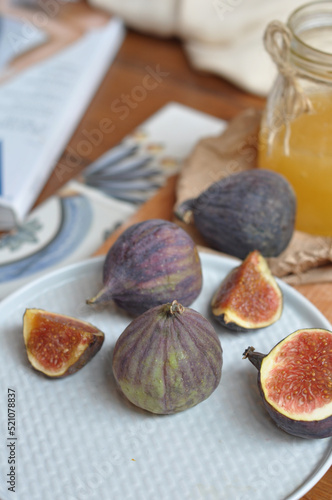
x,y
291,25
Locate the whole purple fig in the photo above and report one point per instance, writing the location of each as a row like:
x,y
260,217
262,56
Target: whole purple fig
x,y
246,211
151,263
168,359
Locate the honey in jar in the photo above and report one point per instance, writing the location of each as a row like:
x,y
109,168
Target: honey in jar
x,y
300,147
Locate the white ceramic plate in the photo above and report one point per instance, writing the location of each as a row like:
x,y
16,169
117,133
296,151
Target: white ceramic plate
x,y
77,438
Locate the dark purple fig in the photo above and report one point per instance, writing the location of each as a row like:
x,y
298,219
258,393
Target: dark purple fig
x,y
295,382
168,359
251,210
249,297
59,345
151,263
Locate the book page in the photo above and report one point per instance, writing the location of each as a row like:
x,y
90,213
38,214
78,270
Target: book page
x,y
41,107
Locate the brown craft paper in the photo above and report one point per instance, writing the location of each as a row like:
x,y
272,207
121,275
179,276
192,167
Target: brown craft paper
x,y
307,259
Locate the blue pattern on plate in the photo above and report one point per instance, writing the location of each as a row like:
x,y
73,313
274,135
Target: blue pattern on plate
x,y
0,168
75,224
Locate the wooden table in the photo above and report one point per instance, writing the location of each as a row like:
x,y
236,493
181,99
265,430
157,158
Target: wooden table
x,y
183,84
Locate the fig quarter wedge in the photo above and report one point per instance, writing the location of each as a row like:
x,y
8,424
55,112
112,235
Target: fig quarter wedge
x,y
59,345
249,297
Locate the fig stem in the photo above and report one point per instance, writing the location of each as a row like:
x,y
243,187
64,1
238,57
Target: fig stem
x,y
185,211
100,297
176,307
188,217
254,357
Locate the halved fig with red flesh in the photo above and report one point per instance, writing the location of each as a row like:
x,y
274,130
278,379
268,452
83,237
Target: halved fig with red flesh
x,y
295,382
59,345
249,297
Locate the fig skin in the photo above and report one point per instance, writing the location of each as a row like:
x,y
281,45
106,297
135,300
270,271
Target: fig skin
x,y
89,344
150,263
246,211
306,429
249,297
168,360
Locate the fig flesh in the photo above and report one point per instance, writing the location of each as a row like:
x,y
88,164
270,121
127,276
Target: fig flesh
x,y
295,382
59,345
151,263
246,211
168,359
249,297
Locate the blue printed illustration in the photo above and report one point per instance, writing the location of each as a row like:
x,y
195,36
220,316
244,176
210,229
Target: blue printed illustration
x,y
76,218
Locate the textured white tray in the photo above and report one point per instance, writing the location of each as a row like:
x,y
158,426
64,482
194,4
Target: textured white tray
x,y
77,438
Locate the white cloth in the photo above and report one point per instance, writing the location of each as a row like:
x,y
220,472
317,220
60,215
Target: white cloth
x,y
221,36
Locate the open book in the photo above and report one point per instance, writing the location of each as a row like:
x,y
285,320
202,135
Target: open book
x,y
40,109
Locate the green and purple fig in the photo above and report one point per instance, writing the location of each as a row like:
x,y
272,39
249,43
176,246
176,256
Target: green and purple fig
x,y
249,297
295,382
59,345
168,359
151,263
246,211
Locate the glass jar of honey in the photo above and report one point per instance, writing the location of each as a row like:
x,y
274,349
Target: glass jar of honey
x,y
296,132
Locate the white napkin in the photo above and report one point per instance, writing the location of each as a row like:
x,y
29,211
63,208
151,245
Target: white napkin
x,y
221,36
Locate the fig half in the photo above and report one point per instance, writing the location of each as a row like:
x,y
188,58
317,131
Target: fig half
x,y
295,382
59,345
249,297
